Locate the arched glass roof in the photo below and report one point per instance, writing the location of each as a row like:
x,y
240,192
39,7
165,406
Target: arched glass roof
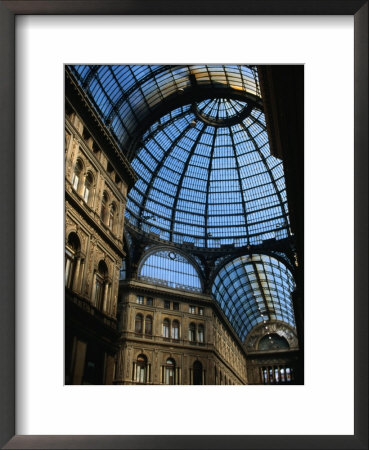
x,y
126,95
254,289
209,182
197,138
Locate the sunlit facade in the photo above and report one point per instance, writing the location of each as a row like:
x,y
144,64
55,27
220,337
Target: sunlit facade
x,y
175,168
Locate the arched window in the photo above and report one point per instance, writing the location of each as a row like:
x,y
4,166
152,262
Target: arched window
x,y
169,268
138,323
192,333
77,174
166,326
148,325
112,212
197,372
101,275
89,181
273,341
200,333
72,248
175,329
170,370
104,206
141,369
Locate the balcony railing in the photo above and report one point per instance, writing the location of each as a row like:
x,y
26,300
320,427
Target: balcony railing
x,y
169,284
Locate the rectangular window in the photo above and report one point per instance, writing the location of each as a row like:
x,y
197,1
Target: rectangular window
x,y
166,329
148,326
191,334
200,334
98,293
86,194
141,374
175,306
175,331
123,270
75,181
68,265
166,304
140,299
192,309
201,311
149,301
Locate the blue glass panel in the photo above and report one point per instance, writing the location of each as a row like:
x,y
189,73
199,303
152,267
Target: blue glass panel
x,y
253,289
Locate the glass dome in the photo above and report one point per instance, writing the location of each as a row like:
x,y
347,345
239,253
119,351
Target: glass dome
x,y
254,289
206,177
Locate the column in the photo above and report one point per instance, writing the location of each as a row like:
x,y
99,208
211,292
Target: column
x,y
76,274
134,372
110,310
105,299
149,373
67,271
93,289
110,307
82,268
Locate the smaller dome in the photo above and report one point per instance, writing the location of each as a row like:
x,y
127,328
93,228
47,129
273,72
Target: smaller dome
x,y
252,290
221,112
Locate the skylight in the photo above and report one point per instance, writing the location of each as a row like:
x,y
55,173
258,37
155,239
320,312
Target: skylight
x,y
209,185
254,289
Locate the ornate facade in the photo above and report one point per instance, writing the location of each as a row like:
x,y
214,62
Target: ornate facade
x,y
95,198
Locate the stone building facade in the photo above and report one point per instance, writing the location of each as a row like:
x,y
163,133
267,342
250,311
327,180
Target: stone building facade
x,y
175,337
95,196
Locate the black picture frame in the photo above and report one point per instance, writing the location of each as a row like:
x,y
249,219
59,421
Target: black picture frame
x,y
8,11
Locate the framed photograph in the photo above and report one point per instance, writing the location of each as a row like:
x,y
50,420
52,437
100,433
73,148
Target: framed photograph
x,y
238,274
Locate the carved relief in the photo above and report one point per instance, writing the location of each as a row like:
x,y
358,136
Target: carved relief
x,y
282,330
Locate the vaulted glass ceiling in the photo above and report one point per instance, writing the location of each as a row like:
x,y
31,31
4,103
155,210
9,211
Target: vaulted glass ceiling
x,y
197,138
127,95
254,289
209,185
